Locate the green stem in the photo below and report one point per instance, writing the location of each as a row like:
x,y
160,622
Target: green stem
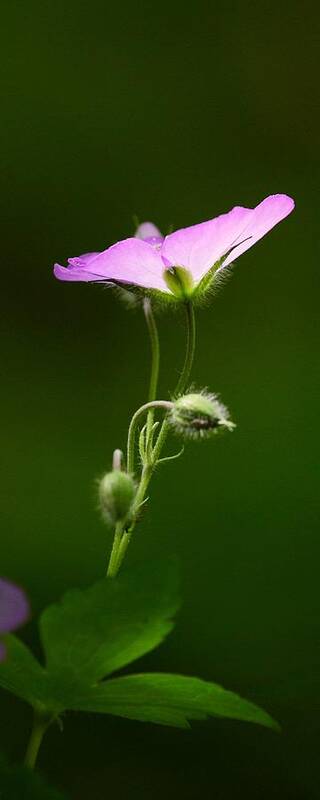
x,y
149,466
133,427
140,496
185,374
155,348
40,725
190,350
155,364
112,570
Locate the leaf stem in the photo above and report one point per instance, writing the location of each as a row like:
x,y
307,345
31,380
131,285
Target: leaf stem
x,y
40,725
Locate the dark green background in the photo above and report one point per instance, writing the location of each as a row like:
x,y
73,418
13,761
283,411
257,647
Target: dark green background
x,y
175,115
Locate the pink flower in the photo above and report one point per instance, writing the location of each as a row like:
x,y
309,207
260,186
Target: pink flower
x,y
153,262
14,609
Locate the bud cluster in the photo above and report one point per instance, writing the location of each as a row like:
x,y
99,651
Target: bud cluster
x,y
199,415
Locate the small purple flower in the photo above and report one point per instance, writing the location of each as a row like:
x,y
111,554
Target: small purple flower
x,y
190,255
14,610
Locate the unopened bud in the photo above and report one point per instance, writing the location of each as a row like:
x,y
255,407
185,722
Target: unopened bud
x,y
116,494
199,415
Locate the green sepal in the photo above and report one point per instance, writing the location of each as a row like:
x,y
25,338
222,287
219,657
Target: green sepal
x,y
180,282
132,296
170,700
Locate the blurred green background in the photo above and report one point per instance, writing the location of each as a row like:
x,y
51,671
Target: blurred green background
x,y
176,115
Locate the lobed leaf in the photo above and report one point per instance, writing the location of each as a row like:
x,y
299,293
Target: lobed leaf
x,y
93,632
170,700
21,673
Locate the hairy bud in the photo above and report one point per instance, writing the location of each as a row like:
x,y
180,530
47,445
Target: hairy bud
x,y
116,494
199,415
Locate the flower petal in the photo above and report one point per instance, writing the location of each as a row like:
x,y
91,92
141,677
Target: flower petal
x,y
77,269
82,261
147,230
14,608
74,274
131,261
200,246
265,216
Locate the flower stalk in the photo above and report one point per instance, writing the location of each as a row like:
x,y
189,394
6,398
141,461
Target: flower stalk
x,y
155,365
185,374
150,455
40,725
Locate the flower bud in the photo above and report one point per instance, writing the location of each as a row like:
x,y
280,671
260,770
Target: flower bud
x,y
199,415
116,494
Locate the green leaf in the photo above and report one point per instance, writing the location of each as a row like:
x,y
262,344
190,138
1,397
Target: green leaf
x,y
21,673
92,633
170,700
19,783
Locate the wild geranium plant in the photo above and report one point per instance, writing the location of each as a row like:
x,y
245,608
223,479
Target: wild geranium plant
x,y
182,268
93,633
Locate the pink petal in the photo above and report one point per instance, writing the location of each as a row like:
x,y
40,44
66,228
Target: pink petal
x,y
74,274
82,261
147,230
77,269
265,216
14,608
199,247
131,261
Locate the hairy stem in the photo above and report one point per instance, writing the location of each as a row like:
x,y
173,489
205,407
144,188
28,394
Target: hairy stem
x,y
185,374
190,350
155,348
151,462
133,428
140,496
